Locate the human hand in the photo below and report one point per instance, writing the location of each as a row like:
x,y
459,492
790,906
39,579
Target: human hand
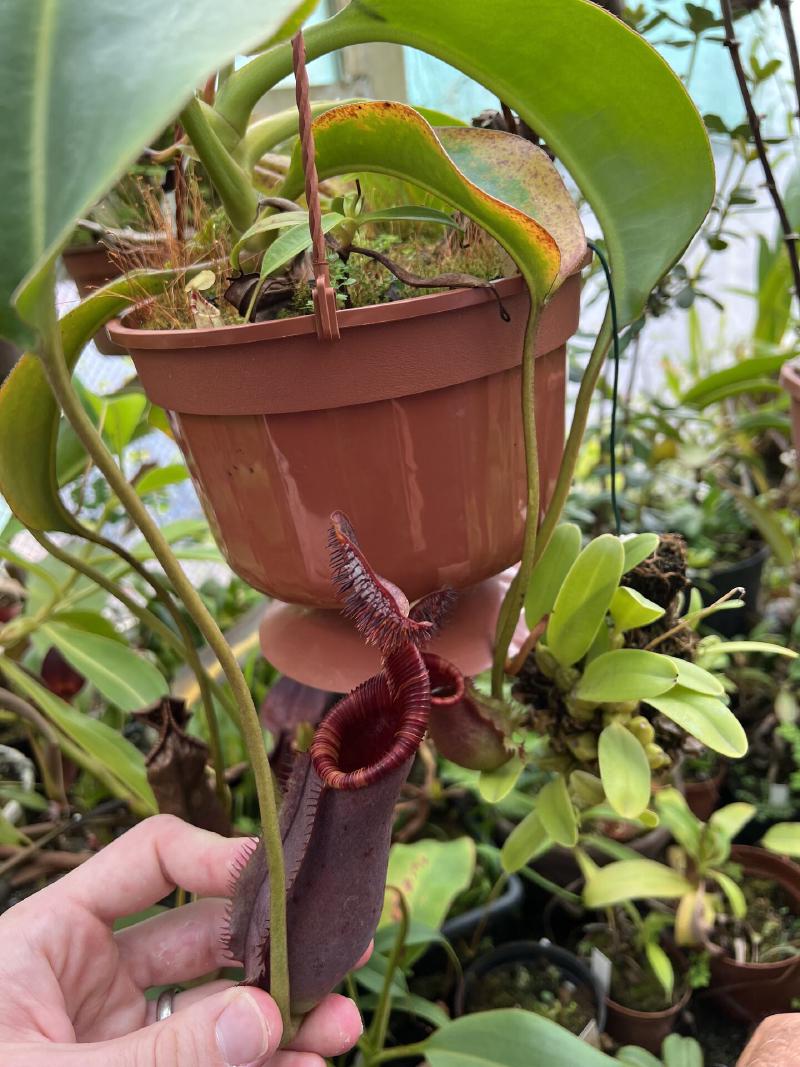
x,y
776,1043
72,990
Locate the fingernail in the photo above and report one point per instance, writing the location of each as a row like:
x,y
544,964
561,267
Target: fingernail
x,y
242,1031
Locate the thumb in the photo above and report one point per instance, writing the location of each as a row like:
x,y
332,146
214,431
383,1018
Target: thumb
x,y
235,1028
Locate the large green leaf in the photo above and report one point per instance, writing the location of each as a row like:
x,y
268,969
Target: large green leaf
x,y
509,1038
747,372
581,79
584,599
123,676
624,770
634,880
637,548
86,86
550,572
29,415
506,184
690,676
430,874
100,750
704,717
626,674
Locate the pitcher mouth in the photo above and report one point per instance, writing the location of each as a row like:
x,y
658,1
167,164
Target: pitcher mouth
x,y
377,727
446,681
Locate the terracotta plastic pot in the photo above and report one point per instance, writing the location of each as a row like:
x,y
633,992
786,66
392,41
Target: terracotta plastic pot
x,y
748,992
645,1028
411,424
702,797
90,267
790,380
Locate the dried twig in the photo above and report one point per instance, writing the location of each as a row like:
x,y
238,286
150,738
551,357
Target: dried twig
x,y
789,236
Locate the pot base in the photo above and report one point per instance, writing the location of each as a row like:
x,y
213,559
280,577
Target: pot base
x,y
322,648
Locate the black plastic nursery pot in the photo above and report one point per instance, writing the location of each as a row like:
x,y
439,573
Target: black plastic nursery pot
x,y
494,917
536,956
747,574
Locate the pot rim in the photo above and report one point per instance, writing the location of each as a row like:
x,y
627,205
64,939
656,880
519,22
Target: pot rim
x,y
303,325
786,867
644,1016
757,557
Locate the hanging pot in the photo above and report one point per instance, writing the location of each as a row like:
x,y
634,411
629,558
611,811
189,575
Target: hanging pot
x,y
790,380
748,992
411,424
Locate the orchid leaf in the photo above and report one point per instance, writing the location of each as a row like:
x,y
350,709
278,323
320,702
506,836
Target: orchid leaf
x,y
87,85
584,598
648,198
556,813
630,610
526,841
732,819
634,880
638,548
29,415
626,674
704,717
624,770
494,180
691,676
550,572
410,213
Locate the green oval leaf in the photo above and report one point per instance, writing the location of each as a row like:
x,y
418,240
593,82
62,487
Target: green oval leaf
x,y
526,841
120,674
550,572
704,717
783,837
629,609
732,819
690,676
626,674
624,770
638,548
634,880
493,786
556,813
584,599
681,822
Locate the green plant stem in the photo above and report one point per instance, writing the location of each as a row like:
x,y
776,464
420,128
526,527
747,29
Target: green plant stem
x,y
183,646
236,192
550,887
577,429
380,1021
399,1052
193,659
515,596
59,377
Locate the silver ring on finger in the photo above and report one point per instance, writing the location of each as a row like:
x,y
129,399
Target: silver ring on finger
x,y
165,1005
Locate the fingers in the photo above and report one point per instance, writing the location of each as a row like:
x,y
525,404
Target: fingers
x,y
189,997
333,1027
774,1044
147,863
231,1029
177,946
